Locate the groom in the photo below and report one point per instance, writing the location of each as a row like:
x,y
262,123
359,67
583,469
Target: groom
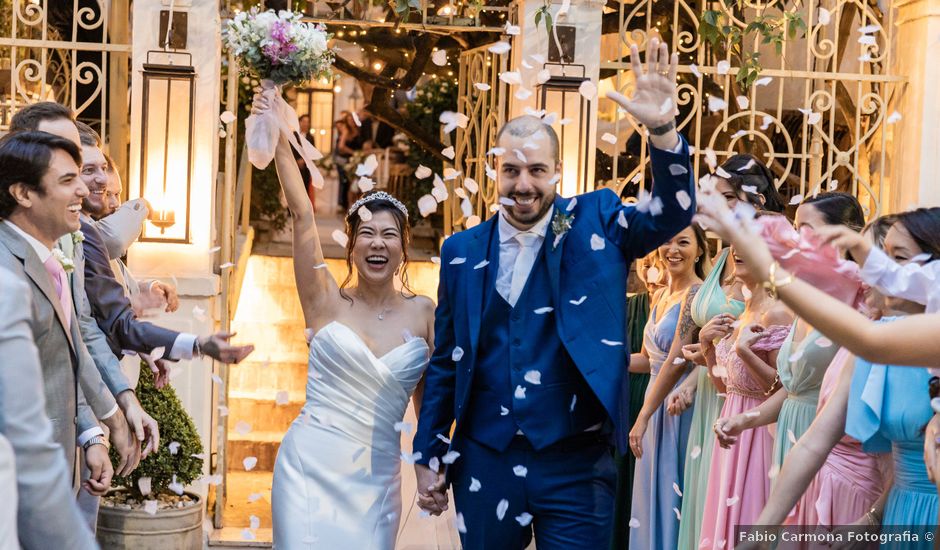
x,y
531,345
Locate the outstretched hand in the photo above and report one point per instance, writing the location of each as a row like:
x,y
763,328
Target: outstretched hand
x,y
218,347
654,96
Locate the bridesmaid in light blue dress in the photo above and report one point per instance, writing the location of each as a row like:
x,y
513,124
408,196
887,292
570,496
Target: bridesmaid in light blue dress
x,y
656,505
888,409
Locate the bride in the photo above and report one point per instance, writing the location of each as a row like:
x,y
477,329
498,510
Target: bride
x,y
337,479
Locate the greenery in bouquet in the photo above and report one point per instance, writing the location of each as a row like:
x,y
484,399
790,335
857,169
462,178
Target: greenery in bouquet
x,y
431,99
177,462
279,46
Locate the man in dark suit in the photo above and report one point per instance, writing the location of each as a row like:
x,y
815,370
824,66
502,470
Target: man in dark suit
x,y
530,338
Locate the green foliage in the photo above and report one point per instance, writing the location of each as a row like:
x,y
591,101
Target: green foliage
x,y
175,426
717,29
432,99
544,14
404,8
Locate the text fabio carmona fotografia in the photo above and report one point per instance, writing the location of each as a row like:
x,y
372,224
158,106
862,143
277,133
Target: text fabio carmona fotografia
x,y
823,537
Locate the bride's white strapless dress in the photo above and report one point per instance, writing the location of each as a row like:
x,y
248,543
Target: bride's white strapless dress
x,y
337,477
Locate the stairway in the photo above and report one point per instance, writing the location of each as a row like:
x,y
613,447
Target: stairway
x,y
269,315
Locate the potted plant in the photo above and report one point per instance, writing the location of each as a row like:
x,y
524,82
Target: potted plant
x,y
149,509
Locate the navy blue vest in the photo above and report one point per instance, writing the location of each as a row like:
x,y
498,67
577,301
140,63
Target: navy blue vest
x,y
524,378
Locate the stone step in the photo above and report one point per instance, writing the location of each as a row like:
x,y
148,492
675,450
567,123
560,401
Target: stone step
x,y
240,487
261,445
268,378
263,413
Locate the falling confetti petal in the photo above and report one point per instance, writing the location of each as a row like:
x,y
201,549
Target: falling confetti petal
x,y
254,522
501,509
422,172
439,58
365,185
696,452
791,436
743,102
868,29
766,122
763,81
254,497
405,427
457,354
458,261
482,264
678,514
723,67
823,16
694,68
677,169
471,185
544,310
364,213
144,484
223,410
174,447
533,377
684,200
450,457
434,464
411,458
242,427
574,401
588,90
227,117
448,152
247,534
282,398
666,106
150,506
622,220
578,302
340,237
732,501
823,342
523,94
500,48
634,523
597,242
894,117
503,411
483,87
510,77
796,199
520,470
474,485
367,167
519,393
249,463
716,103
427,205
524,519
675,487
459,523
611,343
442,438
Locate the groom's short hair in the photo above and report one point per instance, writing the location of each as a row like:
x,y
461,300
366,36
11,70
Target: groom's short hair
x,y
528,125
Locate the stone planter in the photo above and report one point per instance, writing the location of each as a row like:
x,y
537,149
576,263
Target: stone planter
x,y
176,528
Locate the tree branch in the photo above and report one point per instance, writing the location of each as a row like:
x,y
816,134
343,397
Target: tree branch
x,y
380,109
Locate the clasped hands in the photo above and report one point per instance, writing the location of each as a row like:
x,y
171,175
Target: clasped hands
x,y
432,490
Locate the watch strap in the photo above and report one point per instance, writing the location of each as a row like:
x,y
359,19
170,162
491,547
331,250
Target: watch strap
x,y
664,129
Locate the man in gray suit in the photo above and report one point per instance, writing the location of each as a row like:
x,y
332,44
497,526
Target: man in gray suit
x,y
58,120
46,515
40,199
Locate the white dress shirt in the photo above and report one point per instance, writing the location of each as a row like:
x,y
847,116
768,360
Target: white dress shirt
x,y
44,252
513,265
912,281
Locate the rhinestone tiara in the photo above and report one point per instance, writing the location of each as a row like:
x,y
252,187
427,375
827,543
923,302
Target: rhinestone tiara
x,y
377,196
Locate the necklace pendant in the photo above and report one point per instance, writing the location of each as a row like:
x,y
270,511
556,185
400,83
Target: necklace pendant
x,y
381,316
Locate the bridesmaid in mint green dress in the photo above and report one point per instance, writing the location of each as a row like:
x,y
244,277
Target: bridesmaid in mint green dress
x,y
710,301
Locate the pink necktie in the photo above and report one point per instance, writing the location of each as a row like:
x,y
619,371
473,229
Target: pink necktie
x,y
61,282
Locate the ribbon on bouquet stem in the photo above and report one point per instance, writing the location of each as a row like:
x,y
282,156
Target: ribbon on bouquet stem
x,y
263,131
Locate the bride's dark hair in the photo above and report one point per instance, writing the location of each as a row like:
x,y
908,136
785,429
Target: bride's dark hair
x,y
353,221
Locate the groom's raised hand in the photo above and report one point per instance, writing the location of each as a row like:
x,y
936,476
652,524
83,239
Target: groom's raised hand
x,y
432,494
654,96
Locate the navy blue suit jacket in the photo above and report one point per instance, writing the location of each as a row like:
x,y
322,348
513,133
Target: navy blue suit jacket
x,y
593,329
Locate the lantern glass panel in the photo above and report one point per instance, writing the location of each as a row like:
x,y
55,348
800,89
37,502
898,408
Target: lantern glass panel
x,y
166,158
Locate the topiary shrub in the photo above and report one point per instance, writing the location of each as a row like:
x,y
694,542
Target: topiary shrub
x,y
175,427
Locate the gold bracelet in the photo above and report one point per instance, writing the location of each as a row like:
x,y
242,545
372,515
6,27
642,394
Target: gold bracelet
x,y
773,385
772,285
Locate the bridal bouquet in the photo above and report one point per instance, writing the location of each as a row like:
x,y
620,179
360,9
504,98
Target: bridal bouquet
x,y
278,48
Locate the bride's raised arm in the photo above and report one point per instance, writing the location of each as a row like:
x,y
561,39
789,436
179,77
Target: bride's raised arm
x,y
319,293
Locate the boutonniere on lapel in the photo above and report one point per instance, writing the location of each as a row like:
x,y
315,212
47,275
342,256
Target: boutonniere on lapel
x,y
67,264
561,224
78,237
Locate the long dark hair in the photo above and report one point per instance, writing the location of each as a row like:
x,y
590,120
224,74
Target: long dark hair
x,y
923,225
747,171
839,208
703,263
353,221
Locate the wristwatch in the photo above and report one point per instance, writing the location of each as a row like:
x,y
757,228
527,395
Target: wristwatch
x,y
664,129
95,440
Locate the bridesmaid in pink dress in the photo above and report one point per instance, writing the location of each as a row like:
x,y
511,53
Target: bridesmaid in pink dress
x,y
850,481
738,480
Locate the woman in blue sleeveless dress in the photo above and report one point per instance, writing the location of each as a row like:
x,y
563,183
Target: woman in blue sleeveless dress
x,y
658,439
